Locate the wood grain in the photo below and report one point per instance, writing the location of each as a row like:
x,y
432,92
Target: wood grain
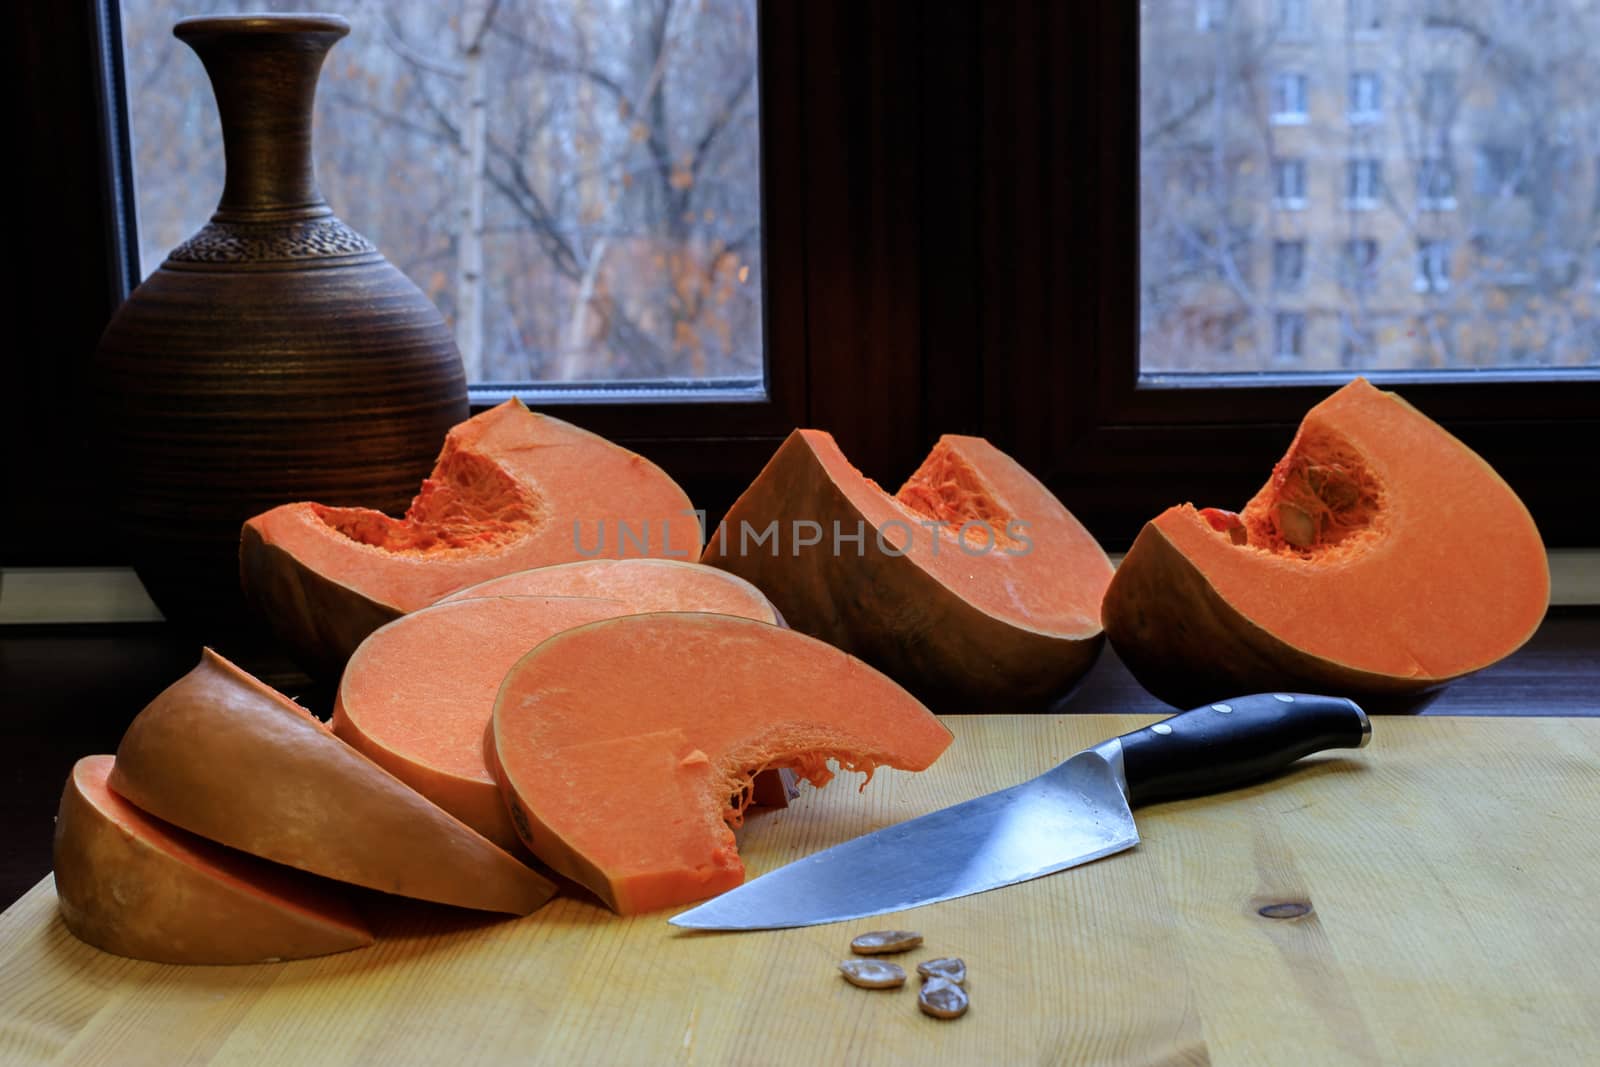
x,y
1445,869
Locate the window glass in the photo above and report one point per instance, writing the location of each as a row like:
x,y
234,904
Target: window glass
x,y
620,235
1443,218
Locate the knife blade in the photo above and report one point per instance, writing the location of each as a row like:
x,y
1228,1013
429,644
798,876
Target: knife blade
x,y
1077,812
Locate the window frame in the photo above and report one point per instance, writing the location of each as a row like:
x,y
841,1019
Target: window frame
x,y
1291,88
954,249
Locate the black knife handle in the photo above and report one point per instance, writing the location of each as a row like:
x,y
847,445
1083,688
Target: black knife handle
x,y
1220,746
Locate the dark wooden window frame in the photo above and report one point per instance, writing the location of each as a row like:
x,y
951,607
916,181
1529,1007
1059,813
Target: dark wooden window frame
x,y
951,235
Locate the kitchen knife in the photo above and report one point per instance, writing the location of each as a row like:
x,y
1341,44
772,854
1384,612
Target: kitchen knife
x,y
1077,812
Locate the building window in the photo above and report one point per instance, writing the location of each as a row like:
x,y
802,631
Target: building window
x,y
1366,16
1211,14
1502,171
1288,265
1433,267
1357,344
1363,183
1289,92
1292,21
1289,183
1436,184
1288,335
1366,97
1438,96
1360,268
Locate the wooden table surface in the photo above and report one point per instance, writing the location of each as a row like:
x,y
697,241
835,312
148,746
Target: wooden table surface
x,y
1449,870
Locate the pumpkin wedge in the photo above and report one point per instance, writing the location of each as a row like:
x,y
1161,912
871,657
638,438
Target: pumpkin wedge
x,y
425,725
511,490
224,756
133,885
681,708
972,586
1382,557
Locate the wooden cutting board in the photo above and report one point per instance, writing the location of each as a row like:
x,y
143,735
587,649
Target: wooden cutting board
x,y
1450,871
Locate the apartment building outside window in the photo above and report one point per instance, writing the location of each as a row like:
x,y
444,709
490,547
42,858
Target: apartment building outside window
x,y
1288,335
1436,184
1288,265
1433,267
1363,183
1289,99
1292,21
1359,269
1366,16
1366,97
1212,14
1289,183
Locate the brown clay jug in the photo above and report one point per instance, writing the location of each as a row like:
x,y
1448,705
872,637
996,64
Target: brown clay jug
x,y
275,356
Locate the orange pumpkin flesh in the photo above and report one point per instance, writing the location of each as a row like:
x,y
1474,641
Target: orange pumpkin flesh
x,y
133,885
972,586
224,756
1382,557
681,708
511,490
424,722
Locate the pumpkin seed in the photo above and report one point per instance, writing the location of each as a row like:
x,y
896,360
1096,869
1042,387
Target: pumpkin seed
x,y
873,974
949,968
881,942
942,999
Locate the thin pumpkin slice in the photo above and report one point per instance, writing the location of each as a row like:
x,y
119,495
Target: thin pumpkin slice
x,y
643,584
1382,557
133,885
222,755
681,708
972,585
511,490
425,725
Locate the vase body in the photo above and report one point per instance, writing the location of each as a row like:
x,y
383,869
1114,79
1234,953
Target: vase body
x,y
275,356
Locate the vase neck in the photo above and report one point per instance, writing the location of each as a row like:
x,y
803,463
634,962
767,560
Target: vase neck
x,y
264,72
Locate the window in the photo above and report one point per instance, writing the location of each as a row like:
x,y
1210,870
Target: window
x,y
1288,335
1438,96
1212,14
619,234
1292,21
1436,184
1289,99
1433,267
1360,264
1366,16
1363,183
1504,171
1357,344
1366,97
1289,183
903,309
1288,265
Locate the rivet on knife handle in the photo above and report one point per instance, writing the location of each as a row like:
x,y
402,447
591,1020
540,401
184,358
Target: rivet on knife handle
x,y
1233,742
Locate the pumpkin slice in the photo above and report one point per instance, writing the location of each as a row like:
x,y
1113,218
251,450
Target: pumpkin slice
x,y
1382,557
646,585
511,490
683,708
972,586
226,757
426,725
133,885
643,584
